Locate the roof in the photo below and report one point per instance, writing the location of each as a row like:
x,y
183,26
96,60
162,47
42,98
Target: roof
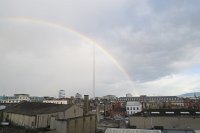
x,y
35,108
120,130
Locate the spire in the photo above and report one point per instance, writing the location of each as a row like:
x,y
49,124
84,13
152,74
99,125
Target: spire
x,y
94,71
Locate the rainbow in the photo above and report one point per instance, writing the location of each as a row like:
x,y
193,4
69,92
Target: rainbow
x,y
72,31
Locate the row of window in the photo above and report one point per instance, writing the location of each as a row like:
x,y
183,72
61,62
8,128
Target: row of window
x,y
132,108
23,97
149,99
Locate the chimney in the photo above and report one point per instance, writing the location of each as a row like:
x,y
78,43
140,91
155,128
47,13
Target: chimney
x,y
86,105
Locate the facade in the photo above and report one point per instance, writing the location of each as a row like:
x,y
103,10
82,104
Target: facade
x,y
133,107
17,98
39,115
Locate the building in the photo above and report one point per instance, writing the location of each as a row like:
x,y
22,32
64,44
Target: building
x,y
133,107
56,101
129,95
110,97
36,99
17,98
192,103
155,102
86,105
166,119
78,96
61,94
39,115
82,124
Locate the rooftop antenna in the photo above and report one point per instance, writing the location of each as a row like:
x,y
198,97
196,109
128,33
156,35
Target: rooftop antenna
x,y
94,71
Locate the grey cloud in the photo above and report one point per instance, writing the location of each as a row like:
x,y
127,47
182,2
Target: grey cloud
x,y
151,40
150,52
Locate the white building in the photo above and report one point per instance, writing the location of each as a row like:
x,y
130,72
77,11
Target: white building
x,y
133,107
61,94
16,98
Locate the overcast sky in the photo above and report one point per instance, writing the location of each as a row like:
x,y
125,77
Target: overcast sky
x,y
155,43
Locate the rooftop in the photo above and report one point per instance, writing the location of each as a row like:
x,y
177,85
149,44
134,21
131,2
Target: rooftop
x,y
34,108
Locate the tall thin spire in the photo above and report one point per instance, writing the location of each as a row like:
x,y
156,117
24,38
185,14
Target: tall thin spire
x,y
94,71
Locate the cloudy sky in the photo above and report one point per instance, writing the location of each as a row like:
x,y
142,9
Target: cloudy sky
x,y
147,47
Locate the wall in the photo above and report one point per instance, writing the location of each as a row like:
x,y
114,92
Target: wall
x,y
1,115
72,112
20,120
84,124
42,120
180,122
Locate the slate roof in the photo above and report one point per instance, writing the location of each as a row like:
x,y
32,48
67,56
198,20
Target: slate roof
x,y
34,108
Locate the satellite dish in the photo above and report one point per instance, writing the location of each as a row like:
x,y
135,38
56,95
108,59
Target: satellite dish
x,y
2,107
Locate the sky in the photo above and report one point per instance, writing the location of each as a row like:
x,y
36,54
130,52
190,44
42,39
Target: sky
x,y
148,47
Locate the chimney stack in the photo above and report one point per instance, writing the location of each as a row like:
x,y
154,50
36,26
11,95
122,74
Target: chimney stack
x,y
86,105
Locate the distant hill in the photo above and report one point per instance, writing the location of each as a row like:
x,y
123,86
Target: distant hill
x,y
190,94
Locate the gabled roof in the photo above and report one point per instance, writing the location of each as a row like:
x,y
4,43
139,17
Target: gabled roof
x,y
35,108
